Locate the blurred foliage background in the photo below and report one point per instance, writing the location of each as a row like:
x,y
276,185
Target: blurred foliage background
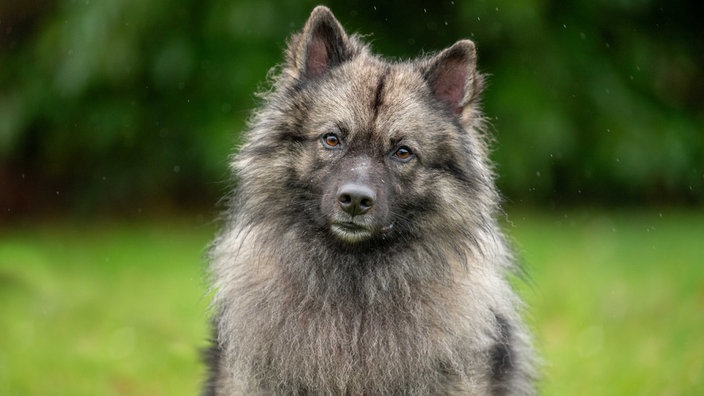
x,y
131,104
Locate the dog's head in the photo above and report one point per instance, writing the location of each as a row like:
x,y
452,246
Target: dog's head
x,y
368,148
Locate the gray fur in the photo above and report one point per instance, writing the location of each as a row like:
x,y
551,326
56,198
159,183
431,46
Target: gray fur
x,y
408,299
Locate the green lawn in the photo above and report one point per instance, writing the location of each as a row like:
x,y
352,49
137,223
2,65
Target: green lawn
x,y
119,308
617,300
105,309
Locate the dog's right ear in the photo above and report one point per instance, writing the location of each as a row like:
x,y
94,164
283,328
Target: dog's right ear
x,y
322,45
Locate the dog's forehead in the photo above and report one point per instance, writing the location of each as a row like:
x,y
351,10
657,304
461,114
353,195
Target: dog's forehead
x,y
383,88
382,83
376,102
405,105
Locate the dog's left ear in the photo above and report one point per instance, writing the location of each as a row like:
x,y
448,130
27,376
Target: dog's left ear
x,y
322,45
453,77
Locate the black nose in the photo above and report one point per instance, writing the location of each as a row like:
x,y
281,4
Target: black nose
x,y
355,199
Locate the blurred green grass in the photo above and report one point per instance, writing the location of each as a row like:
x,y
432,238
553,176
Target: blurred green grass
x,y
102,309
616,300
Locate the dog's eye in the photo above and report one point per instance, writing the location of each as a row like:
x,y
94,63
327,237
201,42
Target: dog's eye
x,y
331,141
403,153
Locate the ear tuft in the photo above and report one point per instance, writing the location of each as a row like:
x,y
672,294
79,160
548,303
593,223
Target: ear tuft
x,y
453,76
322,45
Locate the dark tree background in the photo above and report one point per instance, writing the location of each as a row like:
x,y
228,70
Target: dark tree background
x,y
123,105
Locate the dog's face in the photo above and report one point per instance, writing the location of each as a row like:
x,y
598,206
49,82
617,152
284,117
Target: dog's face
x,y
383,140
368,149
376,145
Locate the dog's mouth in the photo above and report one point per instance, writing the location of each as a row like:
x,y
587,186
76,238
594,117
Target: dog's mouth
x,y
352,232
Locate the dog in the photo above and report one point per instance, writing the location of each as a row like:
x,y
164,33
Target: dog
x,y
361,253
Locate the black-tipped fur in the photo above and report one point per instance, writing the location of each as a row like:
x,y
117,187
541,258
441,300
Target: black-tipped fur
x,y
407,297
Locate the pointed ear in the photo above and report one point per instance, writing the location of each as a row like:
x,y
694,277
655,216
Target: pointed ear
x,y
453,76
321,45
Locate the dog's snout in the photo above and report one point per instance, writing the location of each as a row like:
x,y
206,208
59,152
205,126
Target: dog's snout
x,y
356,199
